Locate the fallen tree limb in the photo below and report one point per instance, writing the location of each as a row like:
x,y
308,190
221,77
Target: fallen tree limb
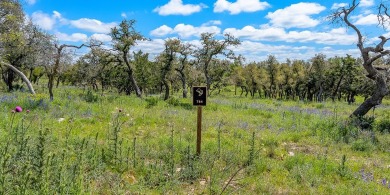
x,y
20,73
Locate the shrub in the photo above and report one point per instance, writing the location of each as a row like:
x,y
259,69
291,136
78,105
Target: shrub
x,y
364,122
187,106
173,101
151,101
361,145
37,101
383,126
90,97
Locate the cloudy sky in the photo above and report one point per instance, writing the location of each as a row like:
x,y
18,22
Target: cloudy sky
x,y
294,29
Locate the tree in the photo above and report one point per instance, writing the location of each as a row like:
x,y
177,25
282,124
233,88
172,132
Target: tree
x,y
299,77
13,40
168,57
57,55
124,37
184,51
145,72
318,75
369,54
272,66
209,50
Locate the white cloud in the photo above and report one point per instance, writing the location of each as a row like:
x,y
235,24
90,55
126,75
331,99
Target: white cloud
x,y
176,7
212,22
366,3
161,31
75,37
93,25
371,19
153,47
101,37
124,15
31,2
338,5
337,36
185,30
296,15
240,6
256,51
43,20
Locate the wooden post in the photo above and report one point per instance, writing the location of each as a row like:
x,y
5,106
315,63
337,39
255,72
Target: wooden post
x,y
199,131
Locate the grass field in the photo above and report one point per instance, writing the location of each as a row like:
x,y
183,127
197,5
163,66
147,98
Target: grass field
x,y
88,143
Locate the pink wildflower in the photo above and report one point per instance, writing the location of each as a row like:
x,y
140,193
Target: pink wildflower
x,y
18,109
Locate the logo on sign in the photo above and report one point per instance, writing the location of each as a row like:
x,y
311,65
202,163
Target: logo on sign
x,y
199,96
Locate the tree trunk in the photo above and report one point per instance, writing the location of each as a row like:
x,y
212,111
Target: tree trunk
x,y
10,79
376,99
50,84
337,88
134,83
183,82
58,81
166,96
24,78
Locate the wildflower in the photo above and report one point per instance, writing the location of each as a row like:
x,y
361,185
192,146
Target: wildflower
x,y
384,182
61,119
18,109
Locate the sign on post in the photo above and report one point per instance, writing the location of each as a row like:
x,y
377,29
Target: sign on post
x,y
199,95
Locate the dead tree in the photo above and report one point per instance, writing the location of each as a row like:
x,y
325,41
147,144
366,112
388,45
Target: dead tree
x,y
369,54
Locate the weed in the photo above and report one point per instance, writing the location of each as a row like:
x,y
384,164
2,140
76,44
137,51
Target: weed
x,y
151,102
342,169
362,146
90,97
383,126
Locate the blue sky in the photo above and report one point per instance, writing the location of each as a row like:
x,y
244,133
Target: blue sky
x,y
294,29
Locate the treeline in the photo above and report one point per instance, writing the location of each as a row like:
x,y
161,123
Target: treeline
x,y
181,65
318,79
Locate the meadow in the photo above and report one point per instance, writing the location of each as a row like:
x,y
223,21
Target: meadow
x,y
86,142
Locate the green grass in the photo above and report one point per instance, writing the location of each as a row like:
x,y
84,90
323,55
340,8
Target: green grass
x,y
88,143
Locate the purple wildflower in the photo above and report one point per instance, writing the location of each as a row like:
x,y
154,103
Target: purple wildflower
x,y
18,109
384,182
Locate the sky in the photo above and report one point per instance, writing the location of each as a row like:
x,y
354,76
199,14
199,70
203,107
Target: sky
x,y
287,29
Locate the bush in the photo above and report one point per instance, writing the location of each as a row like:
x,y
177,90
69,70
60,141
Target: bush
x,y
173,101
383,126
90,97
151,101
37,101
361,145
187,106
364,122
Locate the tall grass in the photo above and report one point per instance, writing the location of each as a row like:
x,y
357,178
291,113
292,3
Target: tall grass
x,y
121,144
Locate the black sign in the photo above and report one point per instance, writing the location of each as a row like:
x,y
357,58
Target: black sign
x,y
199,95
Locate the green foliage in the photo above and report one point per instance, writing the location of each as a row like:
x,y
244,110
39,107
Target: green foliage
x,y
342,169
151,101
173,101
365,122
383,126
37,101
151,150
362,145
91,97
